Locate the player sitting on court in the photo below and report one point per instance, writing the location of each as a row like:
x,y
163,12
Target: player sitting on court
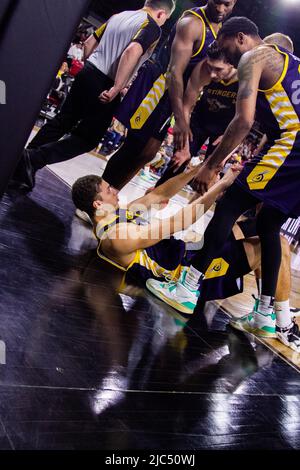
x,y
148,251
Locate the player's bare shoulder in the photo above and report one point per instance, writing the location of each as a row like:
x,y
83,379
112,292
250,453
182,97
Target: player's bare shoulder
x,y
190,24
258,58
270,58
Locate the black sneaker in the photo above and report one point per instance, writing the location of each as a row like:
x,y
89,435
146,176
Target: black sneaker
x,y
24,175
290,336
295,311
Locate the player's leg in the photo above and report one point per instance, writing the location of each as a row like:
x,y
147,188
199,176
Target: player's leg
x,y
129,159
199,137
287,331
185,296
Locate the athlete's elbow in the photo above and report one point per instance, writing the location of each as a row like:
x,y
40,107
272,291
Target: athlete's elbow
x,y
175,74
133,51
243,123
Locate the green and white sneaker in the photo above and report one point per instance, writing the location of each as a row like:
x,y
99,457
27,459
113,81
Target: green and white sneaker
x,y
245,323
175,294
265,325
257,323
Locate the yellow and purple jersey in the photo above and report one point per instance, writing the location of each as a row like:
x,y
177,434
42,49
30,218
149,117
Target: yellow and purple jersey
x,y
274,176
209,34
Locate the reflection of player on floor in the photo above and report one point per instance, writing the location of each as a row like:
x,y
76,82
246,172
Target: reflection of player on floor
x,y
266,77
159,87
141,250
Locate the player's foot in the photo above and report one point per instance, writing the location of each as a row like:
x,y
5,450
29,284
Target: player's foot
x,y
257,323
295,312
177,294
245,323
289,336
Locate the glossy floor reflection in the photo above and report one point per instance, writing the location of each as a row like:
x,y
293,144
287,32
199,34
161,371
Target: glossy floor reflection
x,y
88,367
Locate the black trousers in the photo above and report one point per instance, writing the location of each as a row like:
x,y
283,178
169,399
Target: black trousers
x,y
83,117
129,159
125,162
234,203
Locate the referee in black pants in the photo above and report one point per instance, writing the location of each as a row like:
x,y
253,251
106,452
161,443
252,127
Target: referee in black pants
x,y
114,53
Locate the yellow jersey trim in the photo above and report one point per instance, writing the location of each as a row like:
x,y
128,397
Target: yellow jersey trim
x,y
100,31
285,68
233,80
204,32
209,24
143,26
107,224
114,263
146,9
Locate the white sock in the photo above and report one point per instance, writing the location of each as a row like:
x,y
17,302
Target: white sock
x,y
193,278
265,304
283,314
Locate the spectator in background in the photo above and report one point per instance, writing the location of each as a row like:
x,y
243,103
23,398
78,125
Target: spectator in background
x,y
162,159
168,144
113,137
76,52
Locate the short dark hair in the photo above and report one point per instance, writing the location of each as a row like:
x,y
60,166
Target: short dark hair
x,y
238,24
84,193
215,53
157,4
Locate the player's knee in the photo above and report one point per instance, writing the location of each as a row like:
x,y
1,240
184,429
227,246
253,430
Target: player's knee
x,y
265,229
253,253
151,148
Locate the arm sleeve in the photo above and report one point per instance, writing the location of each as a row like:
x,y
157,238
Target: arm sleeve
x,y
148,35
99,32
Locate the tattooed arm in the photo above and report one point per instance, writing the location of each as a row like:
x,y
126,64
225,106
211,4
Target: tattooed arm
x,y
249,73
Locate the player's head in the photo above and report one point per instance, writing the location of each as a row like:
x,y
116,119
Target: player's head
x,y
91,193
162,9
219,67
237,36
219,10
280,40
